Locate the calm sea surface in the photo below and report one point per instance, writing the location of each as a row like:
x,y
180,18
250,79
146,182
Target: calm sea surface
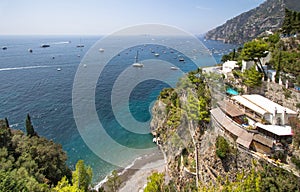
x,y
31,83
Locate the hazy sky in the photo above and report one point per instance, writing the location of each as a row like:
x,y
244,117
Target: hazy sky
x,y
98,17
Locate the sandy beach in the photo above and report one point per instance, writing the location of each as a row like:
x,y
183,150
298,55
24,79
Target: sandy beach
x,y
134,179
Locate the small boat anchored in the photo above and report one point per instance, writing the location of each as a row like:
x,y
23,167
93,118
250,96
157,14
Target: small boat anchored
x,y
45,45
137,64
4,48
174,68
101,50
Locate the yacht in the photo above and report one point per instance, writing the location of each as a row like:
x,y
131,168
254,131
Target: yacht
x,y
58,69
137,64
156,54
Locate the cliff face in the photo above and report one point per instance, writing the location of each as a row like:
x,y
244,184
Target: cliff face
x,y
249,25
178,143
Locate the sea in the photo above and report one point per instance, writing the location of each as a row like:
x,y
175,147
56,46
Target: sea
x,y
41,83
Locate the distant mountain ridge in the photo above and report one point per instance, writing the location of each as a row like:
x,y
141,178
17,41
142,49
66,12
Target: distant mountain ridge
x,y
266,17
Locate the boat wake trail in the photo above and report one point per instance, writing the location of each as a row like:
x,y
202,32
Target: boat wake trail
x,y
61,42
20,68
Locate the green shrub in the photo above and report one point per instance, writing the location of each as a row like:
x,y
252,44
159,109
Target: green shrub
x,y
296,161
222,147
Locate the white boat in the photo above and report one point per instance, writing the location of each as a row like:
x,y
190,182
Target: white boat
x,y
181,59
174,68
101,50
156,54
137,64
58,69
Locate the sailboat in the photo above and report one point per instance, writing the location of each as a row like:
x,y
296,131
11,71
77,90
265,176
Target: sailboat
x,y
80,45
137,64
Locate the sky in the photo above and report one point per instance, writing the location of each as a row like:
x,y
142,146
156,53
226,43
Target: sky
x,y
102,17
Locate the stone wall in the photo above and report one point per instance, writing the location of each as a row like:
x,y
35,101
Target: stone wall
x,y
285,97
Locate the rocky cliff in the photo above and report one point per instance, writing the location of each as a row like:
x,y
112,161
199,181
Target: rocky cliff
x,y
249,25
189,145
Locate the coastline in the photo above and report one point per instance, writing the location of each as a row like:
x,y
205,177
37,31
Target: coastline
x,y
134,177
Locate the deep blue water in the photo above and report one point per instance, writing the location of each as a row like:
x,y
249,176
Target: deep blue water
x,y
31,83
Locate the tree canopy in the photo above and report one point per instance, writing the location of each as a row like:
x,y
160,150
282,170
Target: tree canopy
x,y
252,78
155,183
254,51
291,22
33,163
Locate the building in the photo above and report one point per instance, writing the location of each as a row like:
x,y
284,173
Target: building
x,y
228,66
263,109
254,122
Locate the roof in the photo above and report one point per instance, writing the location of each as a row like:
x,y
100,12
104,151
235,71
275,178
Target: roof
x,y
267,104
244,138
263,140
276,129
249,104
230,108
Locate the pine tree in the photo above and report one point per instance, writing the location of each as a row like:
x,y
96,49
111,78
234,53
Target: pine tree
x,y
252,78
254,51
287,23
82,176
6,122
29,128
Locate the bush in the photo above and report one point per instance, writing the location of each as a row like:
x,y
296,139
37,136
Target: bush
x,y
296,161
222,147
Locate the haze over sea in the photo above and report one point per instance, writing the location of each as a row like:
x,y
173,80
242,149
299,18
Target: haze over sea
x,y
31,83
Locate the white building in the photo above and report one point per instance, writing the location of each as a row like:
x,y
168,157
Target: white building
x,y
272,112
268,117
228,66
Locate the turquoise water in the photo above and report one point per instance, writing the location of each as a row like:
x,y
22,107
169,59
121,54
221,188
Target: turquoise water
x,y
231,91
30,83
